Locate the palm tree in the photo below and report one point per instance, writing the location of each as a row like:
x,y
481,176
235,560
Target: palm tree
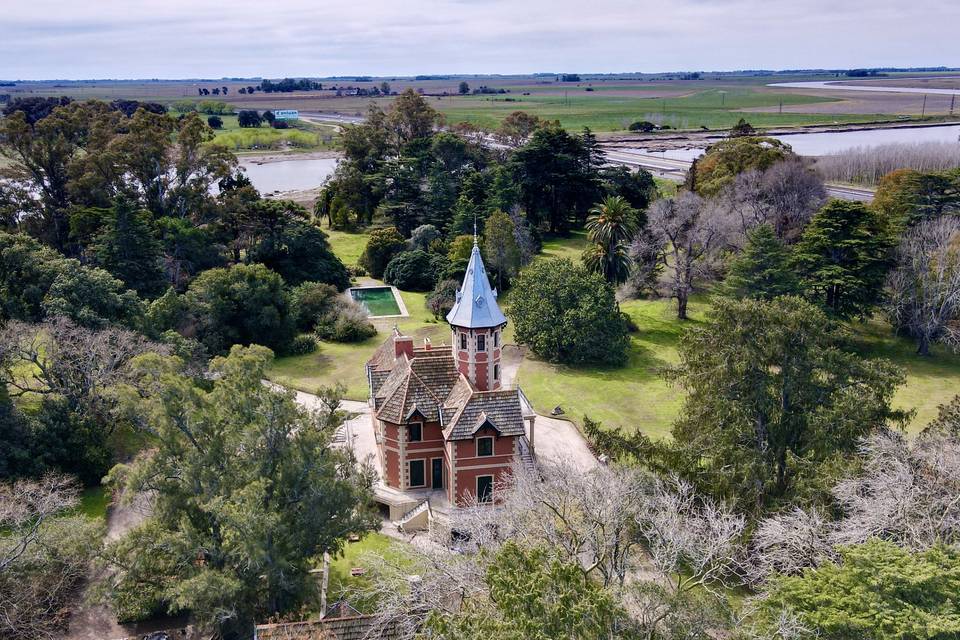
x,y
611,226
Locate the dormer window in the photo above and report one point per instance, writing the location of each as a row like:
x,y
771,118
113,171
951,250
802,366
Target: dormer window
x,y
484,447
415,432
481,342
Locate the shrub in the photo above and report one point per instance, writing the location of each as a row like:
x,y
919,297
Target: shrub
x,y
441,300
423,237
310,301
382,246
567,314
302,345
215,122
642,126
415,270
346,321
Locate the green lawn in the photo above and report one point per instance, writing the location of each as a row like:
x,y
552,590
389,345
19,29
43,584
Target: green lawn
x,y
94,502
632,397
604,110
302,136
348,245
357,554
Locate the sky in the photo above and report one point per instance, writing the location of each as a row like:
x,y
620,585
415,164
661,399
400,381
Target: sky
x,y
82,39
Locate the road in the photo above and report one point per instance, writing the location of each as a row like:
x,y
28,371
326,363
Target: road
x,y
673,169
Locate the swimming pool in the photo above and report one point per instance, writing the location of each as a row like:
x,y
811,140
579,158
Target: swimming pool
x,y
378,301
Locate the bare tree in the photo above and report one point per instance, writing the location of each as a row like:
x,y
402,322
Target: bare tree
x,y
867,165
685,235
44,555
63,359
785,196
790,542
924,289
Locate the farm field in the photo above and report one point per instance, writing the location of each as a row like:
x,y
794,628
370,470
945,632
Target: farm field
x,y
630,397
302,137
604,103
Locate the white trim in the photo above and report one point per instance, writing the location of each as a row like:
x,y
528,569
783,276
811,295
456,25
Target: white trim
x,y
476,444
477,486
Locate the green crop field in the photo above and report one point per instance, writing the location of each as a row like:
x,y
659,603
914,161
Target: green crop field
x,y
631,397
609,109
302,136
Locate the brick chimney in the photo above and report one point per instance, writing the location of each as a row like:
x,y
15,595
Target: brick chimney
x,y
403,345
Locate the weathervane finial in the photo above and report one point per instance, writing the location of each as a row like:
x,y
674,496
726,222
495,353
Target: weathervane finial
x,y
474,228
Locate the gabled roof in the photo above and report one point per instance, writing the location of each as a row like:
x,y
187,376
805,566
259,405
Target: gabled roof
x,y
419,386
476,305
501,409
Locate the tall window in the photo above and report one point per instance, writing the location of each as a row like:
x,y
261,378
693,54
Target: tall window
x,y
485,488
484,447
496,372
418,476
481,342
415,432
463,342
496,339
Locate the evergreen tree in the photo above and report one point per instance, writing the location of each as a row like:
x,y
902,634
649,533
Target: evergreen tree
x,y
500,248
129,250
843,257
762,271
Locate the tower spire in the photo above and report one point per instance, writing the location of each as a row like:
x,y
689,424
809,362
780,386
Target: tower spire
x,y
474,227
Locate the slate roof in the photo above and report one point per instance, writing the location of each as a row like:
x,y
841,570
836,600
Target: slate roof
x,y
500,409
476,305
417,386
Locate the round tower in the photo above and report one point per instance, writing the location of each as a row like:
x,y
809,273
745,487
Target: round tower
x,y
477,323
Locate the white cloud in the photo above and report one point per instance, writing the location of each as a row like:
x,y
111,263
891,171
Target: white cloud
x,y
213,38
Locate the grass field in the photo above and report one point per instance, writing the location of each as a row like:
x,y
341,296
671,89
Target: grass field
x,y
303,137
357,554
608,109
631,397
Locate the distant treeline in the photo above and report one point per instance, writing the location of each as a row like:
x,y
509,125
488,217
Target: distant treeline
x,y
288,85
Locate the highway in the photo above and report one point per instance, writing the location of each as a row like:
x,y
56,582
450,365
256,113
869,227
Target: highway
x,y
673,169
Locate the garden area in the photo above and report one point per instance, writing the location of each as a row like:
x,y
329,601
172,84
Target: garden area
x,y
634,396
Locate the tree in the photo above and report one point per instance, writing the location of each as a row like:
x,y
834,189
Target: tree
x,y
906,197
762,270
775,402
637,187
268,117
382,246
742,129
464,88
725,160
129,250
923,290
215,122
517,127
842,258
423,236
410,118
643,126
566,314
683,239
414,270
785,195
442,298
500,248
246,491
385,88
531,594
249,118
300,252
245,304
876,590
45,554
555,178
91,298
610,227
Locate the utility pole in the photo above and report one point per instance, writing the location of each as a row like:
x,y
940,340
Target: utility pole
x,y
781,106
953,99
923,110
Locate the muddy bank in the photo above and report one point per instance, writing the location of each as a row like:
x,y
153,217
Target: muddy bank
x,y
258,158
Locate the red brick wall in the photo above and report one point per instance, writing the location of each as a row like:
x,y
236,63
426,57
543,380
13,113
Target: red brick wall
x,y
429,448
469,466
391,455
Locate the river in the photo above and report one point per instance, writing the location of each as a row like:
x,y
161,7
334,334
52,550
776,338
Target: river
x,y
836,85
294,174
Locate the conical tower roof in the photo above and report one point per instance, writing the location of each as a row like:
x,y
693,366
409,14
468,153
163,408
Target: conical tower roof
x,y
476,306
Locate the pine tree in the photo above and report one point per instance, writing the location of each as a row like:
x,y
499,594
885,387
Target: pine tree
x,y
762,271
128,249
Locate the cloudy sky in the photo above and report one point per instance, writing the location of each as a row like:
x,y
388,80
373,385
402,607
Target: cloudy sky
x,y
42,39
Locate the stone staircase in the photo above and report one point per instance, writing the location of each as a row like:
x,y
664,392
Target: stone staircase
x,y
415,517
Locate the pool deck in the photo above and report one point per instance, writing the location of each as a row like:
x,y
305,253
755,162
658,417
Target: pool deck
x,y
396,296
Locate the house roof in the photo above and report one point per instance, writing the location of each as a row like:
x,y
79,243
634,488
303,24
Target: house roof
x,y
476,304
420,385
500,409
